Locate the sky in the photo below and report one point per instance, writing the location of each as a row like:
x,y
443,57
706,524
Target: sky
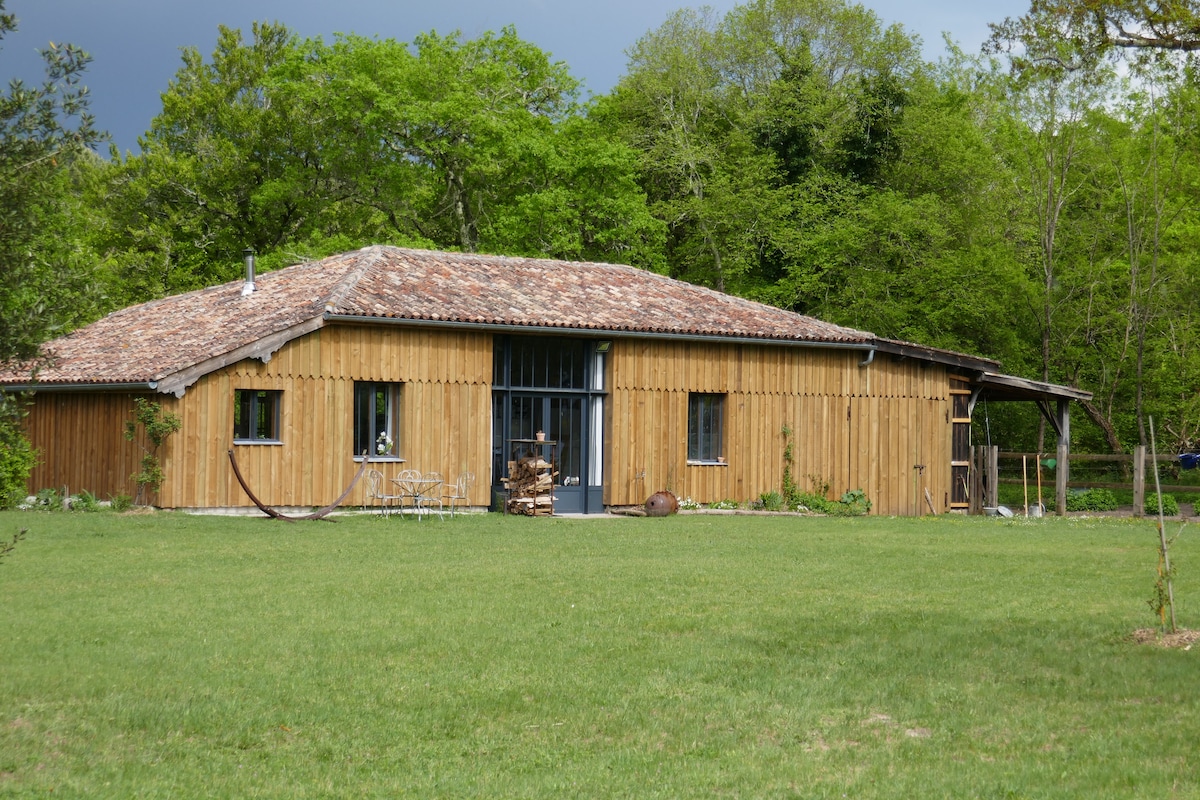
x,y
135,44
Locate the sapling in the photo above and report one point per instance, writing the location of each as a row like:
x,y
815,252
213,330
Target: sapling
x,y
6,548
1163,601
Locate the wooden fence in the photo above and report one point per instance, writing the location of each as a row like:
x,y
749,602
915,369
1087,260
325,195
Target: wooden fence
x,y
986,480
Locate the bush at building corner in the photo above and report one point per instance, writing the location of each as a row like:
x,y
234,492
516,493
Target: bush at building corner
x,y
17,456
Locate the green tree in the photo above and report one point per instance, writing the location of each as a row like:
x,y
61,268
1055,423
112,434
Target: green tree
x,y
1088,28
227,164
44,130
1052,150
578,199
45,283
1117,272
968,283
302,148
758,131
475,144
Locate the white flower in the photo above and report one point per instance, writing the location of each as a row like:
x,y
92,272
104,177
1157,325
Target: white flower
x,y
383,445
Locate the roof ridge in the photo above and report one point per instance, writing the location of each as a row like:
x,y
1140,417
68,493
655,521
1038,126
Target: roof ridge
x,y
351,278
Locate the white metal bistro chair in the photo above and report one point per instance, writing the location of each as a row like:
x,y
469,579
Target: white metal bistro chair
x,y
406,480
458,493
377,491
428,494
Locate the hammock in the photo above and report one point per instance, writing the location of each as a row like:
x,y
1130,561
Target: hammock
x,y
318,514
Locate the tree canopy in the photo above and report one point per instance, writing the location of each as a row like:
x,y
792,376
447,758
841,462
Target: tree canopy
x,y
45,130
298,148
1076,32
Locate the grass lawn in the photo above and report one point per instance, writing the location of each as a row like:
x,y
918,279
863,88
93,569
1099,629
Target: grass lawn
x,y
160,655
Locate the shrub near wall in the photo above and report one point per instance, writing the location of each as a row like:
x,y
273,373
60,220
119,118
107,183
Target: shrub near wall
x,y
1091,500
1170,506
17,460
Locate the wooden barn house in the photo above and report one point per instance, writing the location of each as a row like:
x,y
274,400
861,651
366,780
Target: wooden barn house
x,y
644,383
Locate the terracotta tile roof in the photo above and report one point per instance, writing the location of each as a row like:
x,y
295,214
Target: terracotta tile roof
x,y
530,292
157,340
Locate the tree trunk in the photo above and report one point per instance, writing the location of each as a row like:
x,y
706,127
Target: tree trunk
x,y
1104,424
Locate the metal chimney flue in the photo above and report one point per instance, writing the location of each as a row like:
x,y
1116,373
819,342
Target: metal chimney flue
x,y
248,287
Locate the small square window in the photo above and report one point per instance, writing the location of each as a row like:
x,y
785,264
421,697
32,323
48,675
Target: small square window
x,y
706,419
256,415
377,419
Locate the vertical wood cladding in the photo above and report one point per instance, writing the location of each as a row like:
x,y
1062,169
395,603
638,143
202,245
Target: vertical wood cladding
x,y
80,438
883,428
445,419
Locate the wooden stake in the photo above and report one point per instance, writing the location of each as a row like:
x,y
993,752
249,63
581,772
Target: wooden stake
x,y
1039,479
1025,481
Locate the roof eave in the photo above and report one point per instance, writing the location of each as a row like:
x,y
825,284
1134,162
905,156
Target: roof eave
x,y
122,386
262,349
177,382
497,327
947,357
999,387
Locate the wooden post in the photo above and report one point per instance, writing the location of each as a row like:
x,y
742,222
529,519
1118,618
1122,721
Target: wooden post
x,y
1062,470
993,476
975,499
1062,474
1139,480
1041,505
1025,481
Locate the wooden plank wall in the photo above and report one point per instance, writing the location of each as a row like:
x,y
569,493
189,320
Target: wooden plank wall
x,y
81,441
882,428
445,417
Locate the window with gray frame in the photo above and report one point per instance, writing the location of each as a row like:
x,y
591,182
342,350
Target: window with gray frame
x,y
706,419
256,415
377,419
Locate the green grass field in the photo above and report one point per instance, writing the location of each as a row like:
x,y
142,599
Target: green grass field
x,y
159,655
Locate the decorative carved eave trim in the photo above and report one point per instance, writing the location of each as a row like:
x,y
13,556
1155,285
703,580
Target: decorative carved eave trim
x,y
262,349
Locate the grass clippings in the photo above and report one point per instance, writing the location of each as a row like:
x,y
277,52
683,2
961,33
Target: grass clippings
x,y
1180,638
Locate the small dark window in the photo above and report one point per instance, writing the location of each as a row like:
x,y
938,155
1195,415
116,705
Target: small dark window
x,y
706,414
256,415
377,419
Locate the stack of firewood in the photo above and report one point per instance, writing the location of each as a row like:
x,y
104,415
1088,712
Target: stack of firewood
x,y
530,485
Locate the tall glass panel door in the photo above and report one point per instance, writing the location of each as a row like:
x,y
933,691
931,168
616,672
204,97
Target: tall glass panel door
x,y
555,386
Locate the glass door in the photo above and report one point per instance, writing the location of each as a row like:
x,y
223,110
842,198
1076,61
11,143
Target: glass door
x,y
555,386
561,419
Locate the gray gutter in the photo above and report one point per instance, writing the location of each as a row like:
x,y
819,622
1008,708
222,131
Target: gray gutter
x,y
593,332
145,386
